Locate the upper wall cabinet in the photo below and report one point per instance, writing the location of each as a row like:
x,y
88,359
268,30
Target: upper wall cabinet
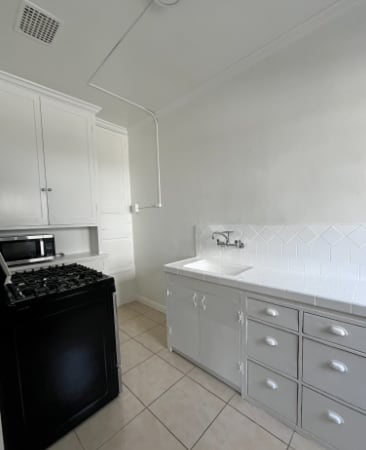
x,y
68,135
22,173
47,156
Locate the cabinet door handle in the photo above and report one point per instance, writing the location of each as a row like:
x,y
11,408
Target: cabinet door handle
x,y
338,331
46,189
338,366
335,418
271,384
271,341
203,303
272,312
194,299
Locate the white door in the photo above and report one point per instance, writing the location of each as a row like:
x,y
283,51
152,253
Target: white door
x,y
220,334
183,321
21,159
113,172
69,156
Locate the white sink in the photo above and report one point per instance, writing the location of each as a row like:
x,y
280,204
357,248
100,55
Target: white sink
x,y
204,265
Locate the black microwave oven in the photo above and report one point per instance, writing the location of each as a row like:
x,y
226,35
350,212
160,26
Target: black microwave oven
x,y
18,250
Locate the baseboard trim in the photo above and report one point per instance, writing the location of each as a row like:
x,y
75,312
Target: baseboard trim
x,y
150,302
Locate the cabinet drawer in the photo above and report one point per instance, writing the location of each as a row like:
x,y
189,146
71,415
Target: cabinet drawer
x,y
351,336
337,372
272,390
278,315
276,348
341,427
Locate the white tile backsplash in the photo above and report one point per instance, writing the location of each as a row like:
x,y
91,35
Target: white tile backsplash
x,y
314,249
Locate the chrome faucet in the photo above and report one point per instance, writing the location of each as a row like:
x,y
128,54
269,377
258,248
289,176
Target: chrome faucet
x,y
226,235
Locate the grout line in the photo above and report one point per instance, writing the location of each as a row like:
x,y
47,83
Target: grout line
x,y
209,425
291,439
124,426
136,365
206,388
166,427
263,427
78,439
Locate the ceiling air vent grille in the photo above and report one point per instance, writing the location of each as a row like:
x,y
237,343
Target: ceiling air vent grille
x,y
37,23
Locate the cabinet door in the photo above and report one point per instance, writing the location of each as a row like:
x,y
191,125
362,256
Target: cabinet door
x,y
70,163
220,334
183,320
21,169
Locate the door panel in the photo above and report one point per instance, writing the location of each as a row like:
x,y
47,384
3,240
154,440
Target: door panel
x,y
68,151
183,321
220,335
22,168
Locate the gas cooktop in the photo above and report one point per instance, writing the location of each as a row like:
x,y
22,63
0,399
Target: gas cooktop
x,y
32,284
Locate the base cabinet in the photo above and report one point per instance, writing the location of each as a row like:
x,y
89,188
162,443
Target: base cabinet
x,y
204,324
303,364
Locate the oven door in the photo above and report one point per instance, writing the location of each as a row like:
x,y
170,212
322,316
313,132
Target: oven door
x,y
60,366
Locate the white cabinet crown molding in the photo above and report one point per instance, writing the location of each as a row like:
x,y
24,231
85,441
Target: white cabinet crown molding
x,y
111,126
45,91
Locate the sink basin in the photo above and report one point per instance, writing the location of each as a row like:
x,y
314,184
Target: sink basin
x,y
204,265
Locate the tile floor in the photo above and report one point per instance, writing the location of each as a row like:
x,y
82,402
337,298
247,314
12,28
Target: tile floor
x,y
169,404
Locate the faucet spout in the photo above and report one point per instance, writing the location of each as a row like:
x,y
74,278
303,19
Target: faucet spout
x,y
226,243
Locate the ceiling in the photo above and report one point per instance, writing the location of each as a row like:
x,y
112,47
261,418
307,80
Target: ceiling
x,y
169,53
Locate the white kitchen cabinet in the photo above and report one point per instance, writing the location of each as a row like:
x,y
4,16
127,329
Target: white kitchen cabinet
x,y
183,320
204,324
220,333
47,151
69,159
22,173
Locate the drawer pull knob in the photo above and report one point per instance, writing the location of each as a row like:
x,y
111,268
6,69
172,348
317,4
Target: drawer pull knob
x,y
338,331
272,312
203,303
272,342
271,384
194,300
335,418
338,366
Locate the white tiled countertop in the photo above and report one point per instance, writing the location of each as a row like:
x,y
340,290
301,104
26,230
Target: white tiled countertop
x,y
344,295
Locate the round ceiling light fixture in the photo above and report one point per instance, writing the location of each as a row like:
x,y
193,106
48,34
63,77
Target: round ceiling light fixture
x,y
166,3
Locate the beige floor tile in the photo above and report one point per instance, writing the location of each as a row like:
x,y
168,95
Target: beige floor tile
x,y
123,337
125,313
262,418
156,316
145,432
212,384
139,307
232,431
154,339
175,360
300,443
137,326
133,353
69,442
187,409
150,379
106,422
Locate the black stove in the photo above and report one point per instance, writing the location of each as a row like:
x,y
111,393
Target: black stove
x,y
32,284
58,351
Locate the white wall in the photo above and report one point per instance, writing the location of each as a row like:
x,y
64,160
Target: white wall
x,y
284,142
